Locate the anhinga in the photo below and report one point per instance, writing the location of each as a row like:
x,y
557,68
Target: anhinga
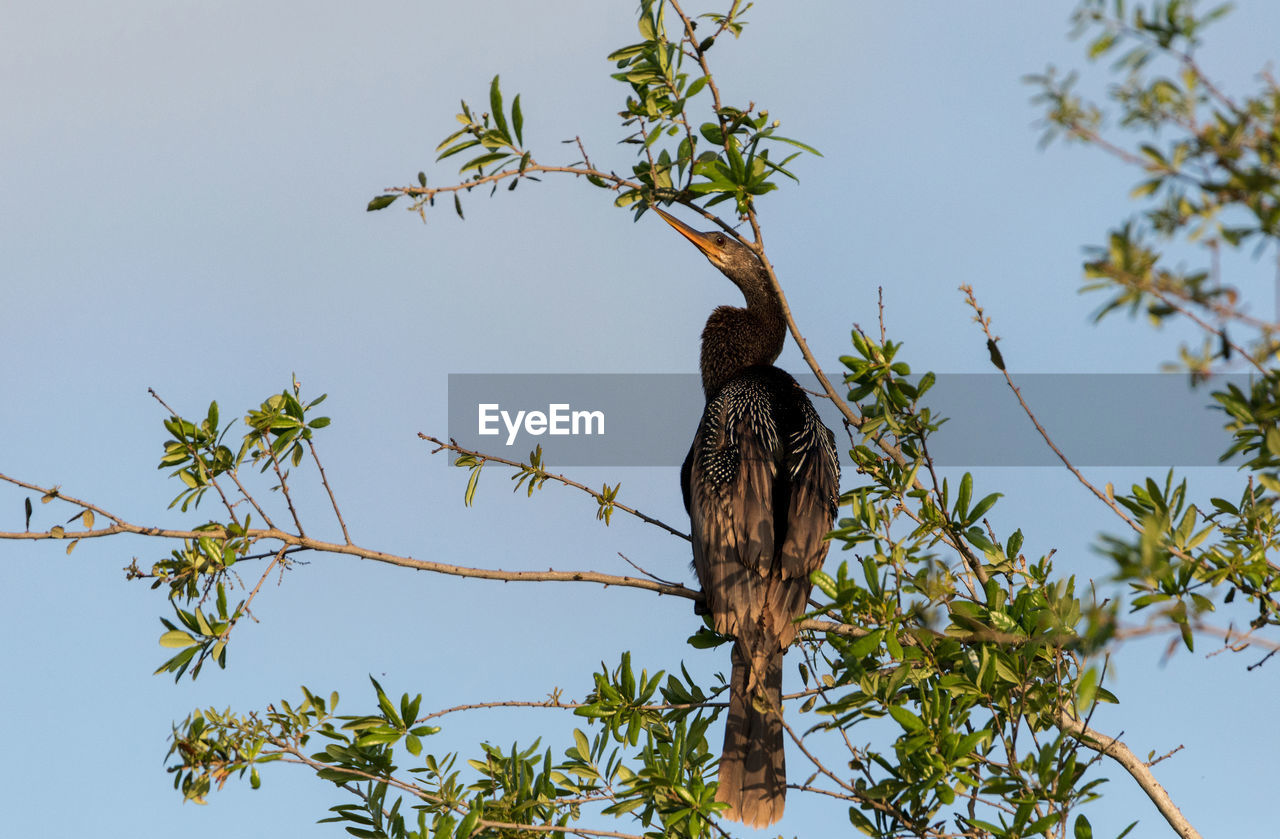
x,y
761,484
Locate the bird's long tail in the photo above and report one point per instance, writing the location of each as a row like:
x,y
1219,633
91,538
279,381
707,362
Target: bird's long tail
x,y
753,774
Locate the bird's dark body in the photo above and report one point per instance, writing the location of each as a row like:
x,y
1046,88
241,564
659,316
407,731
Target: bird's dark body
x,y
760,454
761,484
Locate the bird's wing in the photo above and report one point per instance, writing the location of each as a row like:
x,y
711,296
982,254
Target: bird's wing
x,y
813,480
732,484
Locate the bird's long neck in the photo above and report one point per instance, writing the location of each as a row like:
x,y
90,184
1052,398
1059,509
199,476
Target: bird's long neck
x,y
735,339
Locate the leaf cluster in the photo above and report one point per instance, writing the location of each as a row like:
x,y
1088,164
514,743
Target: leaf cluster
x,y
1210,164
972,652
723,155
645,762
276,432
734,164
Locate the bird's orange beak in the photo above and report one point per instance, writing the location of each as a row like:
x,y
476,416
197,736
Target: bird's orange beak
x,y
701,241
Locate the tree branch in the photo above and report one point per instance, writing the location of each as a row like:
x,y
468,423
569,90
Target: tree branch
x,y
985,323
1141,773
333,501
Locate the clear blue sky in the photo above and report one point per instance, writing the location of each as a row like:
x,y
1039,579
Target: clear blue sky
x,y
182,207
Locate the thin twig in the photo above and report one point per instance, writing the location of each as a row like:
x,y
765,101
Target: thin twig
x,y
324,480
644,571
284,487
850,788
817,764
454,447
985,323
1222,310
1105,498
207,649
1166,755
880,304
56,493
426,193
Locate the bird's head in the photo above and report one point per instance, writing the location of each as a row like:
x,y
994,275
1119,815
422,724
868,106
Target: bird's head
x,y
735,259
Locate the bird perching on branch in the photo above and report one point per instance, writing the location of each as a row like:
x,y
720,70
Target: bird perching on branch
x,y
761,484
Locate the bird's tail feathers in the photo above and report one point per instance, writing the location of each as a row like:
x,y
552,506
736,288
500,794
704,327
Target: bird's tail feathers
x,y
753,776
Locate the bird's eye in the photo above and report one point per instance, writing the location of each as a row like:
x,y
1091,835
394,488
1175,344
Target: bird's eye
x,y
720,241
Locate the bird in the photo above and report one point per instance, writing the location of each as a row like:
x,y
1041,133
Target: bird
x,y
761,486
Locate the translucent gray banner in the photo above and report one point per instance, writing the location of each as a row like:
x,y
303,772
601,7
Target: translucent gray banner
x,y
1150,420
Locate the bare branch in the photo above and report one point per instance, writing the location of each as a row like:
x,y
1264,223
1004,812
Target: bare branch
x,y
1139,770
284,488
324,480
985,323
299,541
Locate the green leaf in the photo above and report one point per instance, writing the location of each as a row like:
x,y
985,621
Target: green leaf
x,y
460,147
1146,188
626,52
909,721
810,149
376,738
176,638
381,202
1100,46
1014,544
517,120
705,639
864,646
982,507
178,664
388,710
485,160
1087,689
444,828
826,583
470,495
962,498
861,822
468,824
495,105
583,745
